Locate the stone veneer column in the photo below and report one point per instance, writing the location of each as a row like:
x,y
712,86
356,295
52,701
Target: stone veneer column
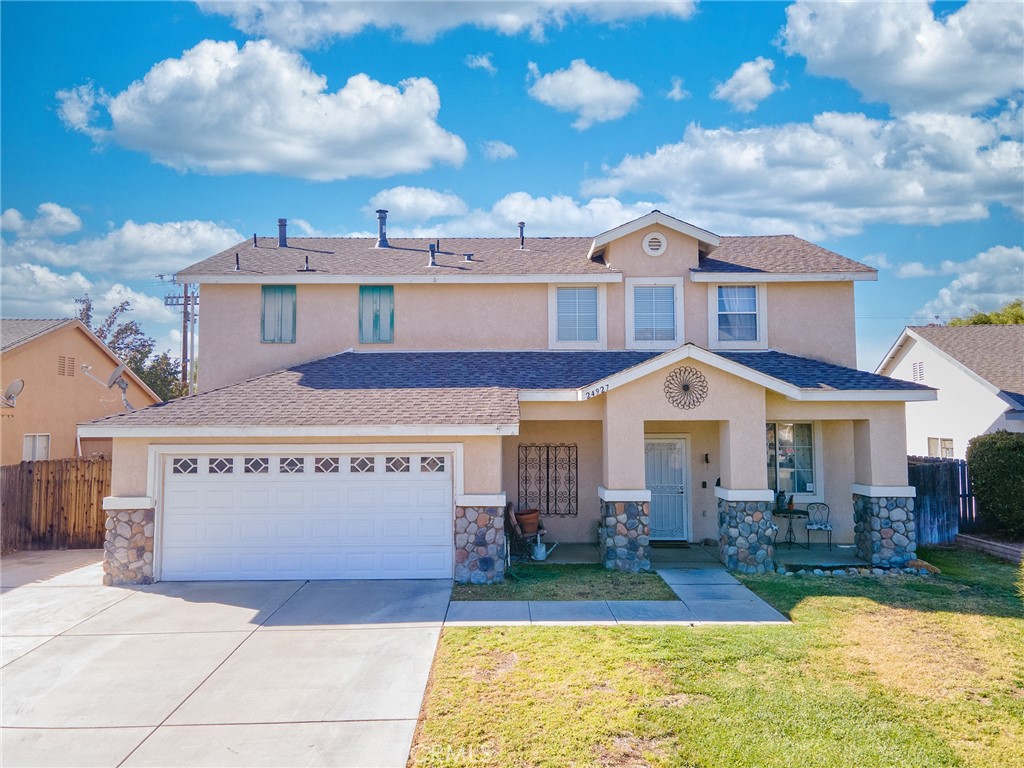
x,y
626,530
479,545
128,542
884,528
746,535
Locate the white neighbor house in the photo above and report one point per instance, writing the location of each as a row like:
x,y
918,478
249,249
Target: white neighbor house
x,y
979,373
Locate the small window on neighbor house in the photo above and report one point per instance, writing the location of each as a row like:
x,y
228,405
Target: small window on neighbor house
x,y
36,448
376,314
577,314
940,447
654,313
278,325
918,371
737,313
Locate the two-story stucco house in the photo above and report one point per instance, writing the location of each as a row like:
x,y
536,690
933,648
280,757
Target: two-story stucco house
x,y
367,407
978,371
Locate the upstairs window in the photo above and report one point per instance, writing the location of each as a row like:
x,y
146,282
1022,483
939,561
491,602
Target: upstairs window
x,y
654,313
278,325
737,313
376,314
577,314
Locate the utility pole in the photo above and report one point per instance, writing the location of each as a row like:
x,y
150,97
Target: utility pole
x,y
189,302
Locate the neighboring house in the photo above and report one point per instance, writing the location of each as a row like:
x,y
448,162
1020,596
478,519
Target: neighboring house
x,y
48,355
978,371
367,407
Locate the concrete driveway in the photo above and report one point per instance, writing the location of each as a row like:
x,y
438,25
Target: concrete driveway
x,y
209,674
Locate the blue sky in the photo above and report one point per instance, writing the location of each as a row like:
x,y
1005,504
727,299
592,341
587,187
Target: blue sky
x,y
140,137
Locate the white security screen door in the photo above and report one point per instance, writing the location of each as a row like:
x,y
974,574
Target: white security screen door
x,y
666,462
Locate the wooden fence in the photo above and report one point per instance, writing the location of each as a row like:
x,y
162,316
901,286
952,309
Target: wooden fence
x,y
55,504
945,503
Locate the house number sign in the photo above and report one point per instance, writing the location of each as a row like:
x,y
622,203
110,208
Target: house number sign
x,y
686,387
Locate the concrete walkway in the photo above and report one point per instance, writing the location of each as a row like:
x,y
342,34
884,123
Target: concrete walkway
x,y
708,594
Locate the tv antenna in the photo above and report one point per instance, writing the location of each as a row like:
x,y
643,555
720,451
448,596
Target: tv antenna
x,y
115,378
11,393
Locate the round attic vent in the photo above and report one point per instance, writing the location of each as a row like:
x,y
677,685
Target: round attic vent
x,y
655,244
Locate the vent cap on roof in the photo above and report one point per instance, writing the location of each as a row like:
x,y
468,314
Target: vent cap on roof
x,y
382,228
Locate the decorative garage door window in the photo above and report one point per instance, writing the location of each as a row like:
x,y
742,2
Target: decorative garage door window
x,y
257,465
185,466
431,463
327,465
396,464
547,479
292,465
359,465
221,466
271,466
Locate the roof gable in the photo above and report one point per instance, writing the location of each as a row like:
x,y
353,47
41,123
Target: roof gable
x,y
650,219
15,331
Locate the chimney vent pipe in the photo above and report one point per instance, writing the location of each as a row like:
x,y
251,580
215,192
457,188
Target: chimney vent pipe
x,y
382,229
432,263
238,266
522,237
467,256
282,233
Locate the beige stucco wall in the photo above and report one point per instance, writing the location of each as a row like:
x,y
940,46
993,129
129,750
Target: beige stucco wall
x,y
56,404
813,320
482,458
628,256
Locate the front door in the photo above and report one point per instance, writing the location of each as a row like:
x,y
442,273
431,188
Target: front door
x,y
666,462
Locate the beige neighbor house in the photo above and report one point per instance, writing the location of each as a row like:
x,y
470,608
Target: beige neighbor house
x,y
367,407
978,371
47,356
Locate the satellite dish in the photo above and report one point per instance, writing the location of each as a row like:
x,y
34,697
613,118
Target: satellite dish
x,y
112,379
13,390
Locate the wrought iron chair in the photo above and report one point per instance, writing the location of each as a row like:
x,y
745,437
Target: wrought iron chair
x,y
817,520
519,545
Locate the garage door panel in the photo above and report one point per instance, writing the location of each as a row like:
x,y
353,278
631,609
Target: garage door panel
x,y
343,520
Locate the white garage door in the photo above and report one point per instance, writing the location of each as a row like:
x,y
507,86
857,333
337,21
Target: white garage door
x,y
295,516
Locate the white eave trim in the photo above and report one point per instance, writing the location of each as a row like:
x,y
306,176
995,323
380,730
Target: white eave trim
x,y
641,494
729,494
321,278
779,277
883,490
480,500
116,503
548,396
373,430
910,335
648,220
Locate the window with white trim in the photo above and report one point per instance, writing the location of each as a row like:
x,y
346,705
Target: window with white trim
x,y
577,314
940,447
36,447
791,457
737,313
654,312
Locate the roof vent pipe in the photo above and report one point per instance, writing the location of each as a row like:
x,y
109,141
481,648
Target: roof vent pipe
x,y
522,237
433,251
467,256
238,266
382,229
282,233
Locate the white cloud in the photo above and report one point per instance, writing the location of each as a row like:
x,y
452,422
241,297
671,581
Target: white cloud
x,y
498,150
480,61
145,308
131,250
31,290
595,96
876,260
678,93
914,269
307,229
749,85
901,54
416,203
829,177
314,23
982,284
260,109
77,108
51,220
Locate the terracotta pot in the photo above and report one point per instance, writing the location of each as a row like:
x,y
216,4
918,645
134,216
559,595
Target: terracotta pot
x,y
529,520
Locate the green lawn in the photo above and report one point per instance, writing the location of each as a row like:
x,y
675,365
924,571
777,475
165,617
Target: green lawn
x,y
890,671
568,582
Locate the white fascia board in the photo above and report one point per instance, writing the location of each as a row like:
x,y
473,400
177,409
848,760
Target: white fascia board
x,y
377,430
605,494
867,395
780,277
548,396
894,350
480,500
324,279
1014,415
683,353
883,490
728,494
985,383
114,503
650,219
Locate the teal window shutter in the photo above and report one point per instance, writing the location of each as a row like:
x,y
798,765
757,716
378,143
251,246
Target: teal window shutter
x,y
278,322
376,314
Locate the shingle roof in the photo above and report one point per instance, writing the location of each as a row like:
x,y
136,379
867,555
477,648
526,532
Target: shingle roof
x,y
809,374
498,256
786,254
14,332
442,388
994,352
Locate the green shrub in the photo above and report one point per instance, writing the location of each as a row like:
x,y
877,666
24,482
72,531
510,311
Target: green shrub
x,y
996,463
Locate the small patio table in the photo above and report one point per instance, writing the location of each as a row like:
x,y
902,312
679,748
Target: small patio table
x,y
792,514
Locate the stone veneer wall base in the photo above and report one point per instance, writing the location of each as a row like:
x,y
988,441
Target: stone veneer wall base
x,y
746,536
626,544
128,547
884,530
479,545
